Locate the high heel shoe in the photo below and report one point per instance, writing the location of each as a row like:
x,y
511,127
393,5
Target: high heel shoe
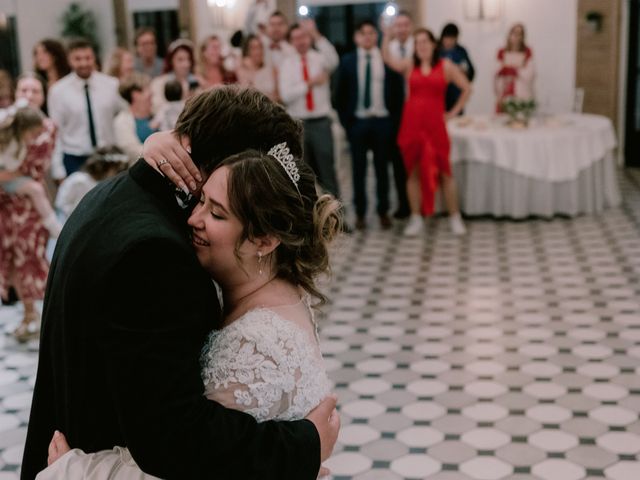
x,y
29,328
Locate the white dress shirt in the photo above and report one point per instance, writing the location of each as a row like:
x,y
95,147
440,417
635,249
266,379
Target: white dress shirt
x,y
395,48
71,191
378,107
275,56
293,88
126,138
68,109
328,52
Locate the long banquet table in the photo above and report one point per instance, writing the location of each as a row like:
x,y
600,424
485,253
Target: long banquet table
x,y
558,165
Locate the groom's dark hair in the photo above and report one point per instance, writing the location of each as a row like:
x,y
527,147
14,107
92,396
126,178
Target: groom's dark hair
x,y
227,120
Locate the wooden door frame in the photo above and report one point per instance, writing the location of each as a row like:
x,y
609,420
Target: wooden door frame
x,y
632,139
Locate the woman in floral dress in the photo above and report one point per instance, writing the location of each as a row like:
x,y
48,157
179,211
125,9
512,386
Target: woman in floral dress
x,y
23,238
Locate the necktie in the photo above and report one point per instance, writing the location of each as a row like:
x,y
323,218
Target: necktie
x,y
367,83
92,128
305,76
403,51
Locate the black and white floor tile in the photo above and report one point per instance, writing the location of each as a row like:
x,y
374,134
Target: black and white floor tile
x,y
510,353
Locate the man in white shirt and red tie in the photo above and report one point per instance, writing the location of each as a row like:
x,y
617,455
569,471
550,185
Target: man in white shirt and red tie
x,y
83,105
304,89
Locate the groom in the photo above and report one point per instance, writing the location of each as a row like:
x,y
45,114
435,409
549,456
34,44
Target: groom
x,y
128,309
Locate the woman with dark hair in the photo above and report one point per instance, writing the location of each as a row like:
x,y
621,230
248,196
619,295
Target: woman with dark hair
x,y
211,68
423,138
179,65
515,72
253,72
50,61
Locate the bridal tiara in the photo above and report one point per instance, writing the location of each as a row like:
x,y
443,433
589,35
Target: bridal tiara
x,y
282,154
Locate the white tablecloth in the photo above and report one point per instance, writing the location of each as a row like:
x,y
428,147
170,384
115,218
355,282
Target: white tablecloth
x,y
558,165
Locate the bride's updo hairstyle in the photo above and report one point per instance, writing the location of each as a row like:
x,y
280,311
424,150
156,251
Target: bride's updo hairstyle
x,y
266,200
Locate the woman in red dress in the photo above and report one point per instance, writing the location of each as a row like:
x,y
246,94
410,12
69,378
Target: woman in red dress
x,y
23,238
423,137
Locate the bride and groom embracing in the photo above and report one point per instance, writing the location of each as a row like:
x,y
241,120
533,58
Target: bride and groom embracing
x,y
140,368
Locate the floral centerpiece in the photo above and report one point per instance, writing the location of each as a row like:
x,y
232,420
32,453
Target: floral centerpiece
x,y
519,110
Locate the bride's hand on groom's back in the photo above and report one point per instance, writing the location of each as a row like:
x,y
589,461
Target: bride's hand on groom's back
x,y
326,419
171,156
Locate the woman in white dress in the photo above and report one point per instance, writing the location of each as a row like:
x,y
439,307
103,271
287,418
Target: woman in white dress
x,y
515,72
265,245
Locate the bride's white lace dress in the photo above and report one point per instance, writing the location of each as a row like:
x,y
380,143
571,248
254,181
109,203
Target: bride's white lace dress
x,y
266,363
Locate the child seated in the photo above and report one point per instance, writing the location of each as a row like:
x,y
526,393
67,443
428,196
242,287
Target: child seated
x,y
20,125
104,163
167,115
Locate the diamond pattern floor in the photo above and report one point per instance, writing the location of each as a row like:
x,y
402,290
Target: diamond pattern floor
x,y
513,352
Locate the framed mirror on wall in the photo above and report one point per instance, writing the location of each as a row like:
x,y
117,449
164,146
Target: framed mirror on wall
x,y
169,18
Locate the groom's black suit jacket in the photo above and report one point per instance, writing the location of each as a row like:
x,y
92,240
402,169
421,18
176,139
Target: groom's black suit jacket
x,y
127,311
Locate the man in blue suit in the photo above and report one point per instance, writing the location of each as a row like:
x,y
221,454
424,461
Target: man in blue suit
x,y
369,98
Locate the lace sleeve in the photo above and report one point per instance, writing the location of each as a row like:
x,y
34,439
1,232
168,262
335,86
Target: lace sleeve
x,y
266,366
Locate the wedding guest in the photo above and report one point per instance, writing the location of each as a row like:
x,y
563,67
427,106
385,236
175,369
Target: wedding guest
x,y
304,89
423,138
515,73
321,44
104,163
120,64
167,116
402,44
132,125
147,60
50,61
369,98
23,239
275,40
83,105
211,67
258,16
401,47
20,126
253,71
179,65
451,49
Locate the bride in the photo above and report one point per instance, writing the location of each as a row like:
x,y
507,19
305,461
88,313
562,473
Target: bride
x,y
262,232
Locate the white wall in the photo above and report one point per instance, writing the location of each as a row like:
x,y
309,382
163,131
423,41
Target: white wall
x,y
219,21
38,19
551,32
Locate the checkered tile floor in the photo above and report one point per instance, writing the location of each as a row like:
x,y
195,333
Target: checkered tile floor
x,y
513,352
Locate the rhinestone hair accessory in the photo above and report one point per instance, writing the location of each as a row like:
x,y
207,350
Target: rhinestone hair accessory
x,y
282,154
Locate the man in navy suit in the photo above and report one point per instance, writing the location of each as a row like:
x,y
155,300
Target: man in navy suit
x,y
369,98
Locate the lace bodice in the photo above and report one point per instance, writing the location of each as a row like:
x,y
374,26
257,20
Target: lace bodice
x,y
265,365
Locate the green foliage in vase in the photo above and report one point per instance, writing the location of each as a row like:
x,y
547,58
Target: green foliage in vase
x,y
518,108
78,22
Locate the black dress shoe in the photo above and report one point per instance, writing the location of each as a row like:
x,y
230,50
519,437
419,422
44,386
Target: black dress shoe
x,y
402,213
385,222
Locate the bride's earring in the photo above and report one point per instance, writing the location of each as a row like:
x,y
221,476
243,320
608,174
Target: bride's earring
x,y
260,263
